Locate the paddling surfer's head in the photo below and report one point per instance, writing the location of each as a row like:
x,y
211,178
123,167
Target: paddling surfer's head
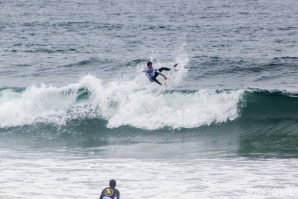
x,y
112,183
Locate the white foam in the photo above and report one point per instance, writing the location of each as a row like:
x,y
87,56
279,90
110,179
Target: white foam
x,y
121,102
176,110
35,103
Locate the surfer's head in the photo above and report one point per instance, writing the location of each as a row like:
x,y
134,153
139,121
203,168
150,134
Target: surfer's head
x,y
149,64
112,183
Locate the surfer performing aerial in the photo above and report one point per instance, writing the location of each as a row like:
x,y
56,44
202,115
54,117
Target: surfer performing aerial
x,y
152,73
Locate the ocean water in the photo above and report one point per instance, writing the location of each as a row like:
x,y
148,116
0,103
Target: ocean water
x,y
76,109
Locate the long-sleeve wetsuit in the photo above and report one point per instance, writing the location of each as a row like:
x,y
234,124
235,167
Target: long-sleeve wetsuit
x,y
152,73
110,193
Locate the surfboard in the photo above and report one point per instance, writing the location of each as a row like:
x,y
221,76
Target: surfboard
x,y
167,82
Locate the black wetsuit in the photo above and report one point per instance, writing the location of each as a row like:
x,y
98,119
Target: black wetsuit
x,y
153,78
110,193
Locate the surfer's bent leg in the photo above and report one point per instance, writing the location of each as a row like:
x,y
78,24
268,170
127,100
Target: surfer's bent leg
x,y
154,79
163,68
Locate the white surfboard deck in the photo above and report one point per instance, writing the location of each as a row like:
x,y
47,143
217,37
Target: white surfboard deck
x,y
166,82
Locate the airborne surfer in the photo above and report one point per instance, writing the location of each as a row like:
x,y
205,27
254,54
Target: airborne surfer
x,y
151,72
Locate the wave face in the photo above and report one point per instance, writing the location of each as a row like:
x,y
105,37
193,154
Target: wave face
x,y
268,124
264,104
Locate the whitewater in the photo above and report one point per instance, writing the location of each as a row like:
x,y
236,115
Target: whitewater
x,y
120,103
